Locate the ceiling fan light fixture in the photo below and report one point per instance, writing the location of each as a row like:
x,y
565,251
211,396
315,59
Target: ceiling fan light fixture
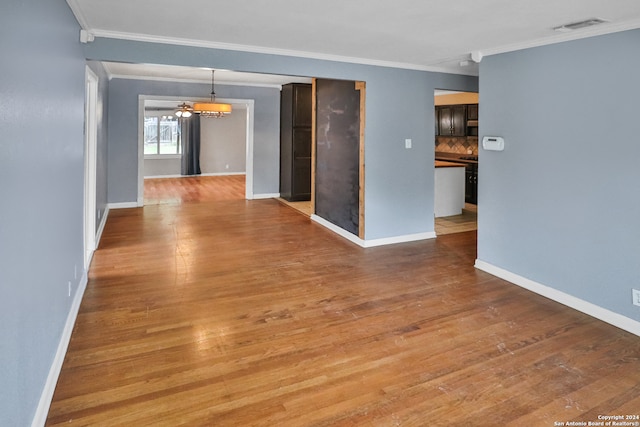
x,y
184,111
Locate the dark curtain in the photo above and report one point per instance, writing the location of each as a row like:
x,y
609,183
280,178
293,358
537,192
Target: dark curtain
x,y
190,140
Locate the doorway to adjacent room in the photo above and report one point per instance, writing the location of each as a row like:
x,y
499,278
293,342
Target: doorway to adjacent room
x,y
456,141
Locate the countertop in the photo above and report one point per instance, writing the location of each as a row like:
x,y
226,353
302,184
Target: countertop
x,y
442,164
455,157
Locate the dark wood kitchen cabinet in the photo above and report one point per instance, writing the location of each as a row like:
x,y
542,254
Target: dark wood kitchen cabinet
x,y
452,120
295,142
471,184
472,120
472,112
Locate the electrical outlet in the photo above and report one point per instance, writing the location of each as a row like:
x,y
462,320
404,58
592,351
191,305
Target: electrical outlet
x,y
636,296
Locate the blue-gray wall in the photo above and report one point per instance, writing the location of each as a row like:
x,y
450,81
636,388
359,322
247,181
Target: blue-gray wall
x,y
560,205
399,182
123,131
41,193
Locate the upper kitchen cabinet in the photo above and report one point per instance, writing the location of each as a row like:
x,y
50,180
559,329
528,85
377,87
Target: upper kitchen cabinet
x,y
472,112
457,120
452,120
472,120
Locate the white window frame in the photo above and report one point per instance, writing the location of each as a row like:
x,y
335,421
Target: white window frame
x,y
161,113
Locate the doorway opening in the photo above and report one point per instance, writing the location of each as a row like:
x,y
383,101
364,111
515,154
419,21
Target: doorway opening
x,y
90,164
457,162
243,117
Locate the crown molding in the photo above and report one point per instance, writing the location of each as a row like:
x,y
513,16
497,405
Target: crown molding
x,y
77,12
267,50
196,81
598,30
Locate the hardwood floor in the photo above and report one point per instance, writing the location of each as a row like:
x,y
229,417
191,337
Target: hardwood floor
x,y
216,311
193,189
302,207
467,221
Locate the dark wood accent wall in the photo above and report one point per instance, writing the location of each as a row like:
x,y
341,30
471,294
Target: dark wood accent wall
x,y
337,175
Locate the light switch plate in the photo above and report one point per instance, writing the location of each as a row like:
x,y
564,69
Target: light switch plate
x,y
407,143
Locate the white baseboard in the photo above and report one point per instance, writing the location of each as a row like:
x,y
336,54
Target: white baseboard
x,y
103,222
588,308
374,242
164,176
44,404
189,176
399,239
224,174
122,205
338,230
266,196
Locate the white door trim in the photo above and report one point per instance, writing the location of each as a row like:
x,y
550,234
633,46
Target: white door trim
x,y
248,185
249,103
90,156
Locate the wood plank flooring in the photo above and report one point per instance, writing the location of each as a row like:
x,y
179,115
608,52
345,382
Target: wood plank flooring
x,y
303,207
466,221
193,189
211,310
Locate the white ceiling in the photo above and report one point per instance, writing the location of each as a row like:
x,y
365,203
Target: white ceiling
x,y
432,35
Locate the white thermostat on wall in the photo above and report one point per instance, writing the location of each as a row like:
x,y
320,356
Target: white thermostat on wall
x,y
493,143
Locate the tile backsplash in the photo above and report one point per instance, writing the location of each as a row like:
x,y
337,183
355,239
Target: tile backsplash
x,y
457,144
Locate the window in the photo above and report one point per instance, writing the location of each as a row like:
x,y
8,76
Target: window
x,y
161,134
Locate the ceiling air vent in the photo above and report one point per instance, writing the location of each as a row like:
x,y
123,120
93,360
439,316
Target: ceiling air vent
x,y
577,25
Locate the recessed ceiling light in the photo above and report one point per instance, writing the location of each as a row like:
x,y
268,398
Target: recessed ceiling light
x,y
577,25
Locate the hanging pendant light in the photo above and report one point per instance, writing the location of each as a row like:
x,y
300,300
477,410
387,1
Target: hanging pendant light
x,y
213,108
184,111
